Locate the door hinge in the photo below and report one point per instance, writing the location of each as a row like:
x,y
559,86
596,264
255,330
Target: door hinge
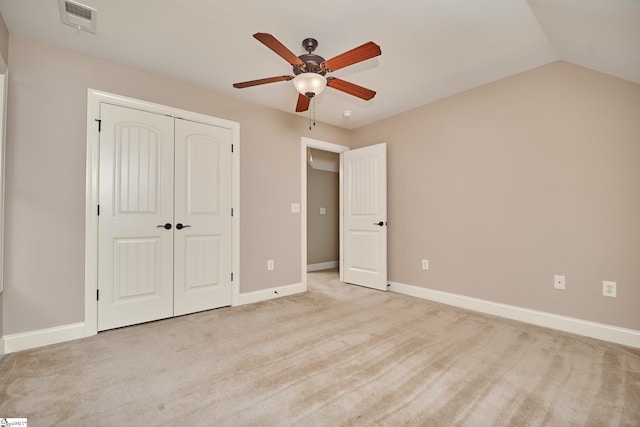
x,y
232,277
99,124
97,294
98,210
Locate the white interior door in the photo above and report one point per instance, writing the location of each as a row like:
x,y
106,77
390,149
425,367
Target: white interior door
x,y
364,193
202,275
135,262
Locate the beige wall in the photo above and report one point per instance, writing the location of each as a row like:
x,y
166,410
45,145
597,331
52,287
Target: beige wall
x,y
4,56
499,187
504,186
322,230
45,194
4,45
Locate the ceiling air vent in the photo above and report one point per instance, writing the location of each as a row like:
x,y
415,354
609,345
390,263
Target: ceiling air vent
x,y
78,15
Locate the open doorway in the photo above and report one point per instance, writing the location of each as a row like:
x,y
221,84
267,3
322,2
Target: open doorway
x,y
323,204
326,153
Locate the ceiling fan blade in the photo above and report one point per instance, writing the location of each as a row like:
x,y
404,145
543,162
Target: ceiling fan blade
x,y
303,103
262,81
350,88
360,53
272,43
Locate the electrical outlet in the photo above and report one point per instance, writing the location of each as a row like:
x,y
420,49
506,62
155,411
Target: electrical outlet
x,y
270,265
559,281
425,264
609,289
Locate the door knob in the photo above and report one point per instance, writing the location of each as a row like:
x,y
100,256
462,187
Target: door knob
x,y
179,226
166,226
381,223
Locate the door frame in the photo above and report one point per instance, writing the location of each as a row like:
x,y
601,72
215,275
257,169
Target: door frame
x,y
94,99
325,146
4,81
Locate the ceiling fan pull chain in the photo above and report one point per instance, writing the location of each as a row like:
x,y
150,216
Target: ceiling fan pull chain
x,y
314,110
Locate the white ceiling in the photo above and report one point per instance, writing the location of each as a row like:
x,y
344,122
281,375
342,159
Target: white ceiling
x,y
431,49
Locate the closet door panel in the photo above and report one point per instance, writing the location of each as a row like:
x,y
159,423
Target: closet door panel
x,y
202,275
135,280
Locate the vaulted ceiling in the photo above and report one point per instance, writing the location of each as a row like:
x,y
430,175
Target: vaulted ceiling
x,y
431,49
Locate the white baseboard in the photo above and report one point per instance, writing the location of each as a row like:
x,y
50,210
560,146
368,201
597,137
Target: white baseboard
x,y
39,338
322,266
267,294
58,334
624,336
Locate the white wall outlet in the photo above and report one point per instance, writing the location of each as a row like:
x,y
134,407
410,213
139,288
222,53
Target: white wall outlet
x,y
559,281
323,211
425,264
270,265
609,289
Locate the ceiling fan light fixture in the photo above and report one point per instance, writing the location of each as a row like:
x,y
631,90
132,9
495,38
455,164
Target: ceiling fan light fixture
x,y
310,84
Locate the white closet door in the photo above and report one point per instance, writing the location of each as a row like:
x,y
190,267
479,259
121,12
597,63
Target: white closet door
x,y
135,266
202,276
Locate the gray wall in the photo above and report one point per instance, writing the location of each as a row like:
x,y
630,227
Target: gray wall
x,y
503,186
45,192
322,230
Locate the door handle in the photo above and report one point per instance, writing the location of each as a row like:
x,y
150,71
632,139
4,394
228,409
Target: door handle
x,y
179,226
166,226
381,223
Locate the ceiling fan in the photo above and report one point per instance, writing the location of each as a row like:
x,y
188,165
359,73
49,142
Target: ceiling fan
x,y
310,69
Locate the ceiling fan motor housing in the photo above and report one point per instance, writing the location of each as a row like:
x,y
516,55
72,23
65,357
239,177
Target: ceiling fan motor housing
x,y
313,63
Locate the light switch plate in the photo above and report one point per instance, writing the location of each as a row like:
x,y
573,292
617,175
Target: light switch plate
x,y
295,207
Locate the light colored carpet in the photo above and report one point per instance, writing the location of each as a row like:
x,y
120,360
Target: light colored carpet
x,y
336,355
